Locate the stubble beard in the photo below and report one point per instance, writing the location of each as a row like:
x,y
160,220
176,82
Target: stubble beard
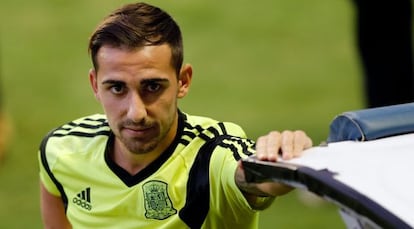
x,y
139,146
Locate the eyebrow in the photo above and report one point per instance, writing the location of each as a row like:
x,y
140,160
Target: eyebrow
x,y
144,81
153,80
113,82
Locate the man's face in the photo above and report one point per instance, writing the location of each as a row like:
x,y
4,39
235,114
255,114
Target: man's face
x,y
138,90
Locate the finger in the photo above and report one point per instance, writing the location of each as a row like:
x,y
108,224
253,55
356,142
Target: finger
x,y
287,144
273,145
308,143
261,148
268,146
300,142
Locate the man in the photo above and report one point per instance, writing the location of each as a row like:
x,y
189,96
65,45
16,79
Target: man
x,y
145,163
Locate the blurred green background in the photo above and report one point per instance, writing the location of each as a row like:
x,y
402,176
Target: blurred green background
x,y
267,64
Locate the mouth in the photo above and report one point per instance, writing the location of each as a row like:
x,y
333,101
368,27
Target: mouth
x,y
138,131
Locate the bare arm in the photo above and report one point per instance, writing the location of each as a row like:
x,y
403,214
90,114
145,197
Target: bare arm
x,y
52,209
289,144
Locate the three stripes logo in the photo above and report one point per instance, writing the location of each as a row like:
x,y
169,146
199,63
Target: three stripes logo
x,y
83,199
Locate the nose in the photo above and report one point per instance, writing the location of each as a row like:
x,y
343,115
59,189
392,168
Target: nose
x,y
136,108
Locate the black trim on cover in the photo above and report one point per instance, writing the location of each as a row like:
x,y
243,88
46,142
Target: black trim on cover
x,y
323,184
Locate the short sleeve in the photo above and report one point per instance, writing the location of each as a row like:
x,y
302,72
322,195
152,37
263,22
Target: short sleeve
x,y
227,198
45,173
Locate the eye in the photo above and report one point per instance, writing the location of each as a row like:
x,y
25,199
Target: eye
x,y
117,88
153,87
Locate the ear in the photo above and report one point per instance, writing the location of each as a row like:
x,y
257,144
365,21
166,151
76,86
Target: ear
x,y
184,80
93,79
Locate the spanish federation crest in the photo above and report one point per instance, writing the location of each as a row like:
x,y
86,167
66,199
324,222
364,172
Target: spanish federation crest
x,y
158,204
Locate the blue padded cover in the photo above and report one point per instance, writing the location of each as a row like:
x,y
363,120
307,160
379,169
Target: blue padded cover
x,y
373,123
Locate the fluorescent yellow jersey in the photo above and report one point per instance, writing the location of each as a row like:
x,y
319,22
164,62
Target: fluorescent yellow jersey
x,y
191,185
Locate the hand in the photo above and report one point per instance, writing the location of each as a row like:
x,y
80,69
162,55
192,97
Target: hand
x,y
289,144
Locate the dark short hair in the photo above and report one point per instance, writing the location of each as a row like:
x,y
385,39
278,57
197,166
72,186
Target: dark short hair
x,y
136,25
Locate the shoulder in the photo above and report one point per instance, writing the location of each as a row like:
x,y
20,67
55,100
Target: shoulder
x,y
219,127
70,145
214,135
76,134
85,126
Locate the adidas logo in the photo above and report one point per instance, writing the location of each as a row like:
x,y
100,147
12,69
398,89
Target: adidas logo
x,y
83,199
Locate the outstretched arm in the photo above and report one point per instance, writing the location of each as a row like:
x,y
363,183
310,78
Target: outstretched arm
x,y
288,144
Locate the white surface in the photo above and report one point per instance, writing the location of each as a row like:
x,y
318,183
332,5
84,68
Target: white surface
x,y
382,170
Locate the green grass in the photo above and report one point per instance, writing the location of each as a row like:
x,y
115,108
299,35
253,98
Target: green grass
x,y
269,64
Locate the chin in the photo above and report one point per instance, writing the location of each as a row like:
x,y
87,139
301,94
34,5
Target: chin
x,y
141,149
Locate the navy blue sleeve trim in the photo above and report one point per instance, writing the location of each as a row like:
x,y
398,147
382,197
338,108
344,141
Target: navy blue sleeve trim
x,y
198,187
197,203
223,128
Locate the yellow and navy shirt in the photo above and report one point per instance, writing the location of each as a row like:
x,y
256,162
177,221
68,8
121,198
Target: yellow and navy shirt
x,y
191,185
